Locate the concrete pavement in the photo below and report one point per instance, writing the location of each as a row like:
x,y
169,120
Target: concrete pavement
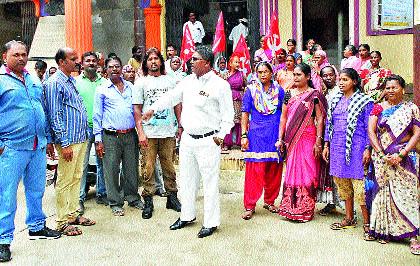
x,y
266,239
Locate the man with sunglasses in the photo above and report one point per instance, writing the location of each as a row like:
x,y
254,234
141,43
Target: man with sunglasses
x,y
207,116
68,117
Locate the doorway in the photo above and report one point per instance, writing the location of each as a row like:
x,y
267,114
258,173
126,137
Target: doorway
x,y
326,21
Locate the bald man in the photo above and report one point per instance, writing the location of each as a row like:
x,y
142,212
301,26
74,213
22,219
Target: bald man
x,y
68,117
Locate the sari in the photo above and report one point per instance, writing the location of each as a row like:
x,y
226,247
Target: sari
x,y
237,84
374,81
395,189
302,168
285,79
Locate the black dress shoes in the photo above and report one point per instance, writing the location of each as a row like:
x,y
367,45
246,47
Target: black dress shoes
x,y
204,231
180,224
5,254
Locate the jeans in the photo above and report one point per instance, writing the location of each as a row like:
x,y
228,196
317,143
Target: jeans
x,y
31,165
100,182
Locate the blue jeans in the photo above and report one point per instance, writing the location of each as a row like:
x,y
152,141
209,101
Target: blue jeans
x,y
100,182
31,165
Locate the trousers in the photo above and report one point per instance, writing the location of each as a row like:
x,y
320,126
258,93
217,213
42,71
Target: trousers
x,y
199,158
261,176
121,149
164,147
31,167
100,182
67,187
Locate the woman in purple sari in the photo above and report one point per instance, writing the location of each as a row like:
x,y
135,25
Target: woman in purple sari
x,y
300,133
237,83
394,132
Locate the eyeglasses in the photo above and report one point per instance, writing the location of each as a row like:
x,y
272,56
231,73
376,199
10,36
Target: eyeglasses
x,y
196,59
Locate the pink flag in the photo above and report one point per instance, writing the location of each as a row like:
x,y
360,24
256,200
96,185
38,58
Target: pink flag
x,y
273,36
243,53
219,42
188,46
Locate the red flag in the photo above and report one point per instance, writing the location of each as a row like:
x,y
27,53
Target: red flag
x,y
40,8
243,52
188,46
273,36
219,42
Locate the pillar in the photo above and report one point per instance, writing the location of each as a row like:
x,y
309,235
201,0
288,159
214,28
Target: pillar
x,y
79,25
416,60
29,22
139,38
152,24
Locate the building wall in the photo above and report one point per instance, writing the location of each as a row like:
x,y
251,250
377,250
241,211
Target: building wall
x,y
112,25
396,50
285,21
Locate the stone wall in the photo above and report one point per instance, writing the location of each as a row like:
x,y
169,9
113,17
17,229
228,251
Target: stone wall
x,y
113,27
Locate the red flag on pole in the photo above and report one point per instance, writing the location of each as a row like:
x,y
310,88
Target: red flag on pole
x,y
187,47
219,42
273,36
243,52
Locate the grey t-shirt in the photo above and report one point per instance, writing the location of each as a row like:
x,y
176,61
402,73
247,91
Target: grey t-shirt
x,y
148,90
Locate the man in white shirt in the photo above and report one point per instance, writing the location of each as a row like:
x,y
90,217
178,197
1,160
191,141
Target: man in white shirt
x,y
238,30
171,51
207,116
196,28
156,136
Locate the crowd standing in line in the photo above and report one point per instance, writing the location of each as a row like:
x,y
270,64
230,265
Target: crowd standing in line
x,y
343,136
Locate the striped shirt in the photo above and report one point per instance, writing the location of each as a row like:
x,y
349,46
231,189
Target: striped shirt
x,y
65,110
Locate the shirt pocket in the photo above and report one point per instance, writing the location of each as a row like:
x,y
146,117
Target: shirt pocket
x,y
201,99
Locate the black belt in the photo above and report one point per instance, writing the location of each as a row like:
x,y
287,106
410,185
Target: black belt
x,y
116,132
204,135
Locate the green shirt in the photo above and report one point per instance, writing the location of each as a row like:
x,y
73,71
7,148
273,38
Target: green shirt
x,y
87,89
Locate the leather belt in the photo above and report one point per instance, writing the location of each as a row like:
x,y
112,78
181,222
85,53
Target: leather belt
x,y
116,132
204,135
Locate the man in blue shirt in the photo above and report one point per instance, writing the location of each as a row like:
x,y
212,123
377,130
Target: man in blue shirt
x,y
116,138
23,145
68,118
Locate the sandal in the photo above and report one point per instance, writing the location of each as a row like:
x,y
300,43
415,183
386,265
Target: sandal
x,y
248,214
366,235
117,211
344,224
83,221
271,208
414,247
330,208
69,230
383,241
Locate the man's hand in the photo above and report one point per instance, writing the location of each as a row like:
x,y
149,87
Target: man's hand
x,y
50,151
100,150
179,132
67,153
218,141
146,116
143,140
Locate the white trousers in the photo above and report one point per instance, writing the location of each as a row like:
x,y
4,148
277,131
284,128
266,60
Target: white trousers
x,y
199,158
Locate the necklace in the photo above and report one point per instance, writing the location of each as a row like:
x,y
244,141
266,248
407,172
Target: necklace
x,y
301,92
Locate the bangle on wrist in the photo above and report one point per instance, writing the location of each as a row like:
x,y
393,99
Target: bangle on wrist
x,y
401,155
320,137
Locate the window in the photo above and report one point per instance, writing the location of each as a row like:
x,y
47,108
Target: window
x,y
390,16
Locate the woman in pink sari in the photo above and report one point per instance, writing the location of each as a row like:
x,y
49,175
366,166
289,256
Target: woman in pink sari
x,y
300,133
237,82
264,52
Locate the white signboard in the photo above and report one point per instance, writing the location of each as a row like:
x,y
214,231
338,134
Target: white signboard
x,y
397,15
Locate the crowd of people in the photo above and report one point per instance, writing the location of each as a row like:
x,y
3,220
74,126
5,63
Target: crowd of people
x,y
343,136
